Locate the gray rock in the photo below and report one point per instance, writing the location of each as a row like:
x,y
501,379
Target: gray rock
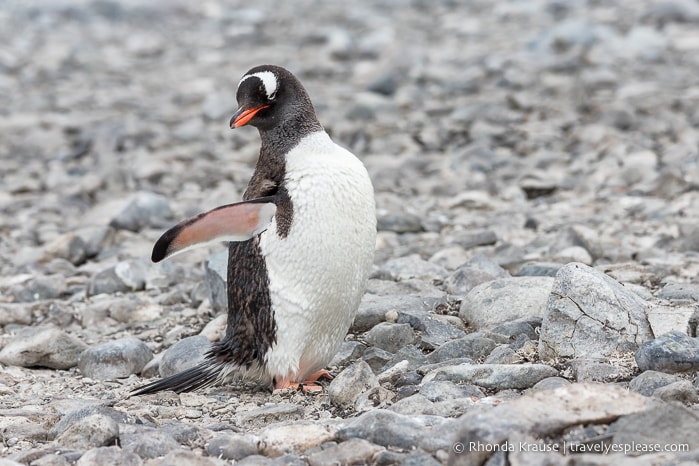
x,y
284,438
496,376
216,269
413,266
149,443
373,309
15,313
95,430
399,222
493,303
350,383
120,278
598,370
680,291
682,391
479,269
218,105
539,269
672,353
647,382
40,288
77,415
678,316
377,358
591,315
352,451
69,246
434,331
388,429
444,390
412,354
181,457
349,351
265,415
503,354
44,347
473,346
549,383
115,359
144,209
231,447
515,328
390,337
109,456
183,355
666,424
541,414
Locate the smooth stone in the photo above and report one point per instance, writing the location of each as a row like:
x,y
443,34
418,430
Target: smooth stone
x,y
496,302
75,416
672,353
231,447
589,314
443,390
413,266
184,355
411,354
216,273
149,444
542,414
144,209
377,358
502,354
549,383
15,313
352,451
109,456
473,346
682,391
349,384
39,288
479,269
388,429
96,430
43,347
663,424
646,383
283,438
121,278
496,376
69,246
680,291
398,222
390,337
115,359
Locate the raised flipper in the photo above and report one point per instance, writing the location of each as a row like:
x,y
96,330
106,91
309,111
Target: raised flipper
x,y
233,222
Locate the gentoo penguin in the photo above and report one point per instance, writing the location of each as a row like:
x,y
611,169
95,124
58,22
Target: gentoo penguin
x,y
301,245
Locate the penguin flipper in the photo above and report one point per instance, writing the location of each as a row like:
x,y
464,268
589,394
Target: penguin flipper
x,y
200,376
233,222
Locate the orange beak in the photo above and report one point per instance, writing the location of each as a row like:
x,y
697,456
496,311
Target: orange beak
x,y
244,115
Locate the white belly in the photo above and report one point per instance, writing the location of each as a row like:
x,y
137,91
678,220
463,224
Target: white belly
x,y
318,272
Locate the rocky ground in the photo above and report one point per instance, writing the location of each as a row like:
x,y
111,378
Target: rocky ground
x,y
536,280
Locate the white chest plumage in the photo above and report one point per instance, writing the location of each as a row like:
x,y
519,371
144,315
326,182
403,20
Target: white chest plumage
x,y
318,272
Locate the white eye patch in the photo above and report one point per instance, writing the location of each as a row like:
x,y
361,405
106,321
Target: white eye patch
x,y
269,81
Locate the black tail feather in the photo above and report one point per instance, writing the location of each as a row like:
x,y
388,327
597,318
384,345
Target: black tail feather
x,y
200,376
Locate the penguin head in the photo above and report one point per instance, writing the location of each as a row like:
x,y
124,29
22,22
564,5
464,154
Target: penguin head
x,y
268,96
